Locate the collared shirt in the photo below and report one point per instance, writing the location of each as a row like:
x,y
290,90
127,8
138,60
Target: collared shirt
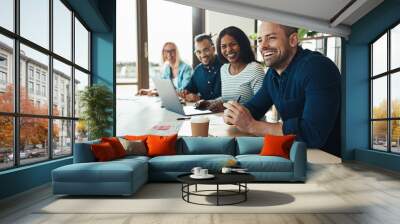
x,y
206,80
183,77
307,96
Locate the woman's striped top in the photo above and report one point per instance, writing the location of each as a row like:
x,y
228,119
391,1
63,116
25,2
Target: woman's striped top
x,y
244,84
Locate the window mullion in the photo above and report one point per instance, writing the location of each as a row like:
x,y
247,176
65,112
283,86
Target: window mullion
x,y
16,84
50,81
389,106
73,82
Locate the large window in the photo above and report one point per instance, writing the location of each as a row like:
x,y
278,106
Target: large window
x,y
385,94
127,78
38,124
168,22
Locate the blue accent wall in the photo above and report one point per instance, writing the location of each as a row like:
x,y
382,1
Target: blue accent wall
x,y
103,64
24,178
356,74
99,16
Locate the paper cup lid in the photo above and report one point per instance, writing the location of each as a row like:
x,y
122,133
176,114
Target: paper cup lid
x,y
199,119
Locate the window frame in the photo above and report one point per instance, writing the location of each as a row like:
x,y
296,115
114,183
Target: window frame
x,y
16,114
388,74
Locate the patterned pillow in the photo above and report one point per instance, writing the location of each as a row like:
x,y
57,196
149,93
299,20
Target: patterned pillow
x,y
134,147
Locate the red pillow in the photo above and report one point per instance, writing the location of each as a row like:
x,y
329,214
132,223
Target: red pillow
x,y
136,137
277,145
161,145
116,145
103,152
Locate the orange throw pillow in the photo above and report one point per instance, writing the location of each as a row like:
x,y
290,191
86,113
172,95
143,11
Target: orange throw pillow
x,y
277,145
116,145
103,152
136,137
161,145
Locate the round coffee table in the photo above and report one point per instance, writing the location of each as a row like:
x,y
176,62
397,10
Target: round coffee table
x,y
238,179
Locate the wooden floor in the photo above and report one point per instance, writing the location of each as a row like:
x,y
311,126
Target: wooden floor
x,y
378,189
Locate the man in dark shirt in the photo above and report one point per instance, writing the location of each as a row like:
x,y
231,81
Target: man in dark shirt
x,y
206,79
303,85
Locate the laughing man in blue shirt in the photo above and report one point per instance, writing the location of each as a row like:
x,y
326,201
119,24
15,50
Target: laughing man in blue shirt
x,y
303,85
206,79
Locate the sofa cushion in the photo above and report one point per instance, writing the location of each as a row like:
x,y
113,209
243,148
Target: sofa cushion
x,y
116,145
136,137
206,145
112,171
185,163
161,145
249,145
277,145
103,152
83,152
134,147
257,163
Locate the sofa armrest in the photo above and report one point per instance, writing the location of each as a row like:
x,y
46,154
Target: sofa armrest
x,y
298,155
83,152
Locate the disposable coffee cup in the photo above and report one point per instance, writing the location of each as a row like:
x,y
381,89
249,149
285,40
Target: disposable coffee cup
x,y
200,126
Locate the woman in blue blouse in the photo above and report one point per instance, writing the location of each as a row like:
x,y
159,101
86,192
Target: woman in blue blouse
x,y
174,68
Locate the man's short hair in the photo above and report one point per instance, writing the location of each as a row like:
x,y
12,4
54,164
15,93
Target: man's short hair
x,y
289,30
202,37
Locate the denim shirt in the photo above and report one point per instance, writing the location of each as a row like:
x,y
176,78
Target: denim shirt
x,y
307,96
206,80
184,75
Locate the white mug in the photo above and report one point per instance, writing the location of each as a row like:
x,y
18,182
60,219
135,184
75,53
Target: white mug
x,y
196,171
226,170
203,172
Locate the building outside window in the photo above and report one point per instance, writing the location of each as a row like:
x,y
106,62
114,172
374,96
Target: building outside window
x,y
38,89
30,87
30,72
43,90
3,72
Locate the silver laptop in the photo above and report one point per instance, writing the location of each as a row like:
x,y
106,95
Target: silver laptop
x,y
170,99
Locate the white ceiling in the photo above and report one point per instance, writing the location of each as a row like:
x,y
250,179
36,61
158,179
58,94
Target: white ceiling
x,y
318,15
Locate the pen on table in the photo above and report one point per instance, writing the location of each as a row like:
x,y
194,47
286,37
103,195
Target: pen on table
x,y
183,118
238,99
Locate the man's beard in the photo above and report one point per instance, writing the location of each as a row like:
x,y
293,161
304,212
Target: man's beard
x,y
278,61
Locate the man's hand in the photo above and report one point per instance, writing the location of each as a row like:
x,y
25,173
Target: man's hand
x,y
182,94
147,92
202,104
191,97
188,96
238,115
216,106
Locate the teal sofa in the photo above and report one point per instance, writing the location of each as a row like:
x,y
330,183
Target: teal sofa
x,y
125,176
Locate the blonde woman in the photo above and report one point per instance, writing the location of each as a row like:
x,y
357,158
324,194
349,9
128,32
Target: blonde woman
x,y
174,68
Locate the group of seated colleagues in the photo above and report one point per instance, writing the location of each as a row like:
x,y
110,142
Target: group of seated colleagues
x,y
303,85
218,78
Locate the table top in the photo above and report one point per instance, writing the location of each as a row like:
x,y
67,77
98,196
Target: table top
x,y
144,115
220,178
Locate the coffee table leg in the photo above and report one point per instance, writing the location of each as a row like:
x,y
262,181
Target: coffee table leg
x,y
245,191
196,188
217,194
